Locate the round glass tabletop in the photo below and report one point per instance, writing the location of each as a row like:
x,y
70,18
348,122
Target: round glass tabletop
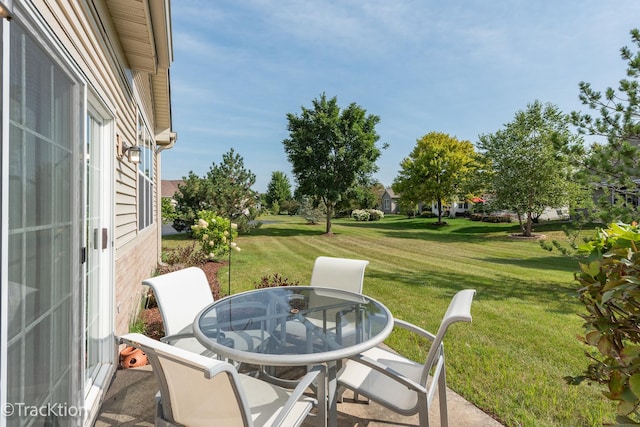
x,y
292,325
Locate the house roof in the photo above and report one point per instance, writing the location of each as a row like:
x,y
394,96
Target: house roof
x,y
169,187
390,192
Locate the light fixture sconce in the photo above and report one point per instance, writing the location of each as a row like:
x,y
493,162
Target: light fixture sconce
x,y
4,12
132,152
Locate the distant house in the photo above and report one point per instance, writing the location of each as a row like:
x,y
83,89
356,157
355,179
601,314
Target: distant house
x,y
459,208
169,188
389,204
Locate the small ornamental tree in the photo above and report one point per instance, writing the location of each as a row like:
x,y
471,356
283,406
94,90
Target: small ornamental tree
x,y
610,289
435,170
215,234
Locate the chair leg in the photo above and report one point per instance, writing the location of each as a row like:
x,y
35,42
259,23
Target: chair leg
x,y
442,397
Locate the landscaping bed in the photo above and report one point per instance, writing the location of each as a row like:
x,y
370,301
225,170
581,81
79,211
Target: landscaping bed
x,y
151,318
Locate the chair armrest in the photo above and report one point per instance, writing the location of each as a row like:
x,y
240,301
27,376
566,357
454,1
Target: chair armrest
x,y
389,372
298,392
168,339
413,328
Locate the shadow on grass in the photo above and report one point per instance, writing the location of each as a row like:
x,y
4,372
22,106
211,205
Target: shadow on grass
x,y
540,263
298,230
550,295
457,229
178,237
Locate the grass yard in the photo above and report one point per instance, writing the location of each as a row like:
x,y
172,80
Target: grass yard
x,y
512,359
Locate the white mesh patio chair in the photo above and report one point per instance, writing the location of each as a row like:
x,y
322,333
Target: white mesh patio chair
x,y
400,384
196,390
340,273
329,272
181,295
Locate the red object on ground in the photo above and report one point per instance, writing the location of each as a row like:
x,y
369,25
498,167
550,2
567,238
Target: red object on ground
x,y
132,357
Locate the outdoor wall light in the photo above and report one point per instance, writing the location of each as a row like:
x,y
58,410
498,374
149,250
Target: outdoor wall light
x,y
133,153
4,12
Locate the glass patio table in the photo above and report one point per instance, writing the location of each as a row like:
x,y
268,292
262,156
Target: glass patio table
x,y
295,326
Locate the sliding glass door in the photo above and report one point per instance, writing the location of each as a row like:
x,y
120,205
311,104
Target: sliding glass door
x,y
44,346
98,296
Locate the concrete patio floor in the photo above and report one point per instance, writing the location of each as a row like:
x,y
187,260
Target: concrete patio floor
x,y
130,401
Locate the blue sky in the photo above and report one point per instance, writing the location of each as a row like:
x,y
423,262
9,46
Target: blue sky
x,y
460,67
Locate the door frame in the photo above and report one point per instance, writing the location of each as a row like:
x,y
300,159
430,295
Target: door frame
x,y
96,390
4,203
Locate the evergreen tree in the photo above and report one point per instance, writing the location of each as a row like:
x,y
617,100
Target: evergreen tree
x,y
278,189
613,168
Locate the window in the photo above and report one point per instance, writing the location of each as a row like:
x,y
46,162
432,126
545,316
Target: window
x,y
386,204
145,176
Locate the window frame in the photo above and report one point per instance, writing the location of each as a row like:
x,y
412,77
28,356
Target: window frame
x,y
145,175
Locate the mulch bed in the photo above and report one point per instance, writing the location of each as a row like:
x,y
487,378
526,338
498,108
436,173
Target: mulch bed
x,y
151,316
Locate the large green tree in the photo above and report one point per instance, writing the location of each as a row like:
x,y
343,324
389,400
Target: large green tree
x,y
436,170
614,167
278,189
330,149
533,160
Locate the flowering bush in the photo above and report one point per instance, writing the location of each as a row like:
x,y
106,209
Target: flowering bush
x,y
367,214
375,214
360,215
610,290
216,234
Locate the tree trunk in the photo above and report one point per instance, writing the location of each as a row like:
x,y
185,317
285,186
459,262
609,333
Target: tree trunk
x,y
520,222
527,231
329,212
439,211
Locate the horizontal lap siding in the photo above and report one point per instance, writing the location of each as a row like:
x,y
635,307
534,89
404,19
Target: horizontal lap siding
x,y
89,37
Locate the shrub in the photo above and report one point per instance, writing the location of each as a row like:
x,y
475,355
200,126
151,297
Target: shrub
x,y
498,218
360,215
610,290
375,215
269,281
311,213
216,234
183,256
289,206
275,208
428,214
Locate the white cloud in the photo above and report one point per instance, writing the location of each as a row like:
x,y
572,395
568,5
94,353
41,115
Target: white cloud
x,y
421,65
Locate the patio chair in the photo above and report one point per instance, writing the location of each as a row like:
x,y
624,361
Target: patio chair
x,y
199,391
328,272
340,273
400,384
181,295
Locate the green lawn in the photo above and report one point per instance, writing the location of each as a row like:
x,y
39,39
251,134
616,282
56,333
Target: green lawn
x,y
512,359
